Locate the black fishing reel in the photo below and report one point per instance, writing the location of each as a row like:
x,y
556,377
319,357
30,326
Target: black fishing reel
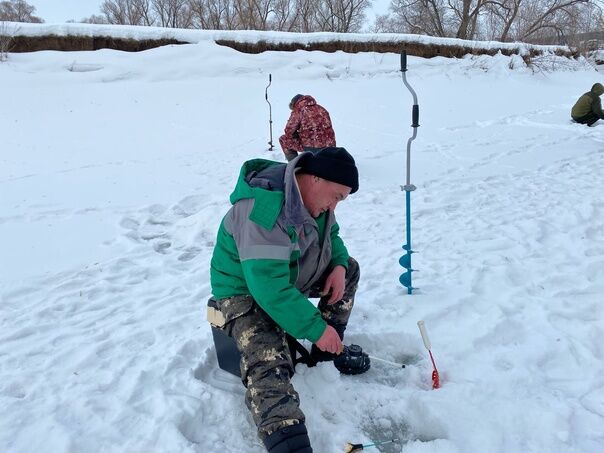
x,y
352,360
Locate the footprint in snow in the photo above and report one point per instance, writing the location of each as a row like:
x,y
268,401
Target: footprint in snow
x,y
162,247
189,254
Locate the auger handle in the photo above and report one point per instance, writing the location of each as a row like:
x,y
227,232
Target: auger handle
x,y
270,80
404,61
415,115
422,330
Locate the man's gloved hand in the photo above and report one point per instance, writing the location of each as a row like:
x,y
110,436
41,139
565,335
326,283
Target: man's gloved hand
x,y
330,341
290,154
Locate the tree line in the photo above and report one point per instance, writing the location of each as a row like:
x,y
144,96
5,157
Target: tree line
x,y
279,15
499,20
538,21
18,11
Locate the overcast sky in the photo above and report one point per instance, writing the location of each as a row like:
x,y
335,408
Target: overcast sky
x,y
63,10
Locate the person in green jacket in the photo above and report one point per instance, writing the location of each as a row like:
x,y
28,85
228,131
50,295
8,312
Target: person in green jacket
x,y
277,246
588,109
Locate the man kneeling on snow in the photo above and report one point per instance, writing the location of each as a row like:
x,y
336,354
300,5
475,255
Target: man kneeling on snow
x,y
277,246
588,109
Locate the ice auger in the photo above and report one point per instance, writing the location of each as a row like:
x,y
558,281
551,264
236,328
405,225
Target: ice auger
x,y
405,260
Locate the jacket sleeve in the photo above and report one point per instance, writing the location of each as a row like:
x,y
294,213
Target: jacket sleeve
x,y
596,107
265,262
268,282
339,253
290,139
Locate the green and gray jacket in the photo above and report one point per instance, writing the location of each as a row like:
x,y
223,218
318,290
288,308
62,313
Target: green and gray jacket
x,y
270,247
589,104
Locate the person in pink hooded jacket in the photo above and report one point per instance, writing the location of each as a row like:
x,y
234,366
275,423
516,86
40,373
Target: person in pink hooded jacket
x,y
308,128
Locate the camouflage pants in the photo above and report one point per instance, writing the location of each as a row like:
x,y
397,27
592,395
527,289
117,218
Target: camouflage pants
x,y
266,362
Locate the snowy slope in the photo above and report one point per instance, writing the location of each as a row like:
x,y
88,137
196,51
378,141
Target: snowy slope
x,y
115,172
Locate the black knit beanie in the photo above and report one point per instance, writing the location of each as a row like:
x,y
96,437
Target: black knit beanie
x,y
333,164
295,99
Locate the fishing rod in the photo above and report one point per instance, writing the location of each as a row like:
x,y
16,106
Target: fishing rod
x,y
397,365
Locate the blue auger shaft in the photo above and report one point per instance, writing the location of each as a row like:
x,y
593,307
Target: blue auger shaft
x,y
354,448
408,210
383,442
407,247
406,279
270,112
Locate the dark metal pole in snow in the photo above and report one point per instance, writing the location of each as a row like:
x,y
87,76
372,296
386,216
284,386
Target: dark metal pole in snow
x,y
405,260
270,112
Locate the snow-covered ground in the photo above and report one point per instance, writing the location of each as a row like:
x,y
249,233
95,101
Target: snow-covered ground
x,y
115,170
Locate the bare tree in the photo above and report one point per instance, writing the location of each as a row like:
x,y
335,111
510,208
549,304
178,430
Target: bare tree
x,y
307,20
445,18
144,10
122,12
422,17
500,18
253,14
466,14
201,15
7,36
526,20
353,14
535,20
18,11
173,13
342,16
538,18
94,19
285,15
213,14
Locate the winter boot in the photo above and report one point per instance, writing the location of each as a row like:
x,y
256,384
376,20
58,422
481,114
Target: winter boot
x,y
291,439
